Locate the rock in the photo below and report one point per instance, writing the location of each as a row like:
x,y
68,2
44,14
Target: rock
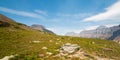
x,y
69,48
36,41
50,41
99,58
41,55
93,42
108,49
49,53
7,57
44,47
118,41
58,39
56,43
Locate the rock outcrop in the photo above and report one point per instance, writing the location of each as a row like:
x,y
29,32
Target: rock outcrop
x,y
69,48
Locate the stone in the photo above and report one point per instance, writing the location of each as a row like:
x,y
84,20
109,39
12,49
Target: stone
x,y
44,47
56,43
50,41
36,41
41,55
108,49
58,39
49,53
93,42
69,48
7,57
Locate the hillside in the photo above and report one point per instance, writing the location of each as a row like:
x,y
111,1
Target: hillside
x,y
26,43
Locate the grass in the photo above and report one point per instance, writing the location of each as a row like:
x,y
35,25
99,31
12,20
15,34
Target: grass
x,y
18,41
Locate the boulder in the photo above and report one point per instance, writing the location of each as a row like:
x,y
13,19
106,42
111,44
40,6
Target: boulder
x,y
49,53
7,57
36,41
69,48
44,48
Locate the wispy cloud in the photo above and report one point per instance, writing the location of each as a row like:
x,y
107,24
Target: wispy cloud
x,y
42,12
111,13
75,16
21,13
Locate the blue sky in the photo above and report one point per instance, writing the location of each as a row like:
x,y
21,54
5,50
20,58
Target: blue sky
x,y
62,16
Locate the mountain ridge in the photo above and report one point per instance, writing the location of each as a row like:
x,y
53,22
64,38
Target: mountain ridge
x,y
41,28
101,32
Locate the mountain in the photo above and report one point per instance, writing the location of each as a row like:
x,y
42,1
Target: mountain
x,y
102,32
72,34
116,34
7,22
22,42
41,28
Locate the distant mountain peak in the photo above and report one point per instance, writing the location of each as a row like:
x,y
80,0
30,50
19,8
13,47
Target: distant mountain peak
x,y
102,32
38,27
71,34
101,27
41,28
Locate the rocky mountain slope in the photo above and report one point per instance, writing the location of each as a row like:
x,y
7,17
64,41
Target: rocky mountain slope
x,y
20,42
102,32
41,28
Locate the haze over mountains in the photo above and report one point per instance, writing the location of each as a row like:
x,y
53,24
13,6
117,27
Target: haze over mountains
x,y
102,32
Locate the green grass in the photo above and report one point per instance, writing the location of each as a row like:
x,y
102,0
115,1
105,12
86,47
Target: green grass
x,y
18,41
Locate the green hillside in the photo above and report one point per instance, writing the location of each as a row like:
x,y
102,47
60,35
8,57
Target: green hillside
x,y
21,42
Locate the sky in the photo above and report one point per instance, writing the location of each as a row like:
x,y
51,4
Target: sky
x,y
62,16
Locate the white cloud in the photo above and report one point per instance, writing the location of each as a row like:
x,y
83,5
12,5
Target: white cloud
x,y
74,16
21,13
111,13
41,12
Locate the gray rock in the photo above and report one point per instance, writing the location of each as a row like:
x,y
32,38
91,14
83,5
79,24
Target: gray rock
x,y
69,48
7,57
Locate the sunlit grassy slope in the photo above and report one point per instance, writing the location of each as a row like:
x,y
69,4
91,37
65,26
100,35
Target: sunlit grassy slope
x,y
20,41
26,43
